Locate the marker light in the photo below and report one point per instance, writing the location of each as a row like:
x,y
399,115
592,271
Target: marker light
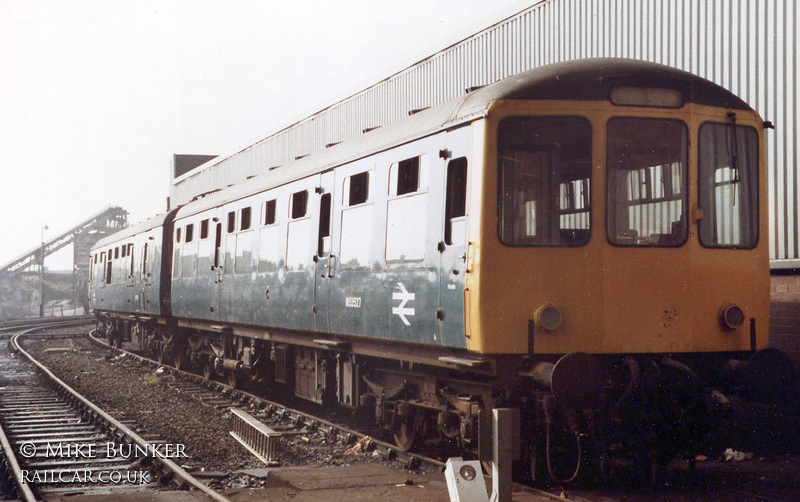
x,y
547,317
731,316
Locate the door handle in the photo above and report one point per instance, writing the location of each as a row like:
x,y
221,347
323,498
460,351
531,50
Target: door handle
x,y
330,264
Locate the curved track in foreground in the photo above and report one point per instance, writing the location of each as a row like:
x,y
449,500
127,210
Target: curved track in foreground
x,y
716,482
300,420
55,441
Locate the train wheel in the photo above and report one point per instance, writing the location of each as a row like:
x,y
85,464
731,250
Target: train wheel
x,y
208,370
405,426
234,379
405,433
180,361
161,354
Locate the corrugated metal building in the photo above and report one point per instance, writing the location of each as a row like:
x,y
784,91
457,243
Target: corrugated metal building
x,y
748,46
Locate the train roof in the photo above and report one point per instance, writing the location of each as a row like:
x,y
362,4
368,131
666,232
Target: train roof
x,y
584,79
144,226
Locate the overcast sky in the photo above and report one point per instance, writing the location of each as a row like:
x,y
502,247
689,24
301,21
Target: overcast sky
x,y
96,96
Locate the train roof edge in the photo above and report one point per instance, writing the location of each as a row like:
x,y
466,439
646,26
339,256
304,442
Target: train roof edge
x,y
567,80
144,226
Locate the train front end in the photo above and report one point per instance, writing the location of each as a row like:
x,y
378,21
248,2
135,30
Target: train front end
x,y
620,257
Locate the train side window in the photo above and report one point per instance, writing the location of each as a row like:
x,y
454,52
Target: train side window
x,y
189,232
408,176
124,251
177,235
299,204
204,229
456,200
323,244
356,189
545,181
244,222
231,222
144,260
116,253
269,212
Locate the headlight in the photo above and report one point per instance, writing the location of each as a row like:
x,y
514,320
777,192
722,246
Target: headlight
x,y
731,316
547,317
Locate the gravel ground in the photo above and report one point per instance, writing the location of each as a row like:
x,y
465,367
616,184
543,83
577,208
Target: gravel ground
x,y
122,387
126,388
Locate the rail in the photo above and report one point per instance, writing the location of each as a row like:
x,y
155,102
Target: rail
x,y
180,476
385,450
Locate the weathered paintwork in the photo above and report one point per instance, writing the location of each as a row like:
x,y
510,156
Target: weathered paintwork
x,y
138,283
359,285
384,271
614,299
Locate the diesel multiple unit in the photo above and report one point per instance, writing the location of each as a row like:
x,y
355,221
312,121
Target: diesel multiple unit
x,y
583,242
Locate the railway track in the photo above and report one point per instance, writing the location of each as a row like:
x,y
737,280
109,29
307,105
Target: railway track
x,y
55,442
708,484
307,430
218,394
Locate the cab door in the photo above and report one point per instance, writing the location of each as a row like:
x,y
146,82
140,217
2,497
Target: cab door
x,y
324,260
454,244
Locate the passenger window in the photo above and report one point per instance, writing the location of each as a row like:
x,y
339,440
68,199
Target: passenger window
x,y
408,176
144,260
204,229
356,189
244,224
124,250
189,232
269,212
323,244
545,181
456,197
116,253
299,204
231,222
177,235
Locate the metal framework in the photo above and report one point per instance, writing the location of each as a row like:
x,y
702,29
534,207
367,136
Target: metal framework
x,y
747,46
83,236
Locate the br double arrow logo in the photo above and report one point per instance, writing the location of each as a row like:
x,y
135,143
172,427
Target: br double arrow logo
x,y
401,310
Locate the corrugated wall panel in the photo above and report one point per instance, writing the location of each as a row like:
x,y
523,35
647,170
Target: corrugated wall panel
x,y
748,46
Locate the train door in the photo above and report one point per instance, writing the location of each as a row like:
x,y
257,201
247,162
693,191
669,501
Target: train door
x,y
324,259
144,277
453,247
216,272
131,275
